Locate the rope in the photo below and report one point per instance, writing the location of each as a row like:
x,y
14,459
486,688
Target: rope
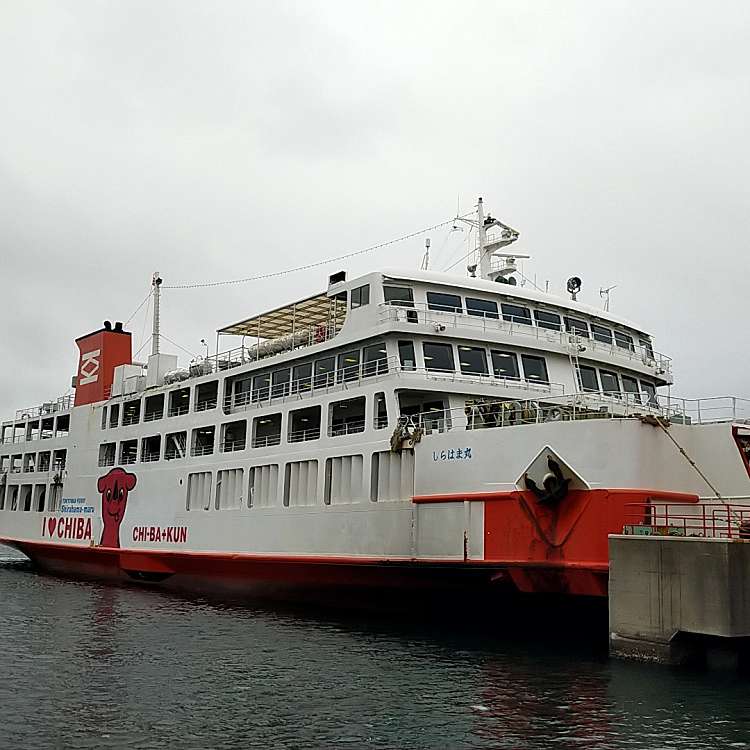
x,y
148,296
192,354
203,285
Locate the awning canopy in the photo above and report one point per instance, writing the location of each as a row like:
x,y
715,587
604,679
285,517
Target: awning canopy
x,y
307,313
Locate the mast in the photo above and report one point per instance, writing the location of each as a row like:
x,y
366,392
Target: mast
x,y
156,282
485,259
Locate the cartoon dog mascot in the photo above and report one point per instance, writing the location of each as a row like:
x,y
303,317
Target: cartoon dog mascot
x,y
114,488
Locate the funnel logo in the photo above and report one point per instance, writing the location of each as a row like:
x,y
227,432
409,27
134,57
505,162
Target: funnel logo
x,y
89,369
114,488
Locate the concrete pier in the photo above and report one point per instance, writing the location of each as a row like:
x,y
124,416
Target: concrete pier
x,y
680,600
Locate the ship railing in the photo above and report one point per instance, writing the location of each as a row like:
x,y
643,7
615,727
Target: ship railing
x,y
177,411
266,440
708,518
150,456
47,408
128,459
299,436
706,410
205,405
150,416
349,428
228,446
107,461
202,450
420,313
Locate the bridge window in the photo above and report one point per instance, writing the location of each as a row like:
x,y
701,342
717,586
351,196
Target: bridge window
x,y
261,386
234,436
472,360
263,486
207,396
516,313
302,378
550,320
324,372
438,357
203,441
444,302
577,326
348,366
610,383
128,451
131,412
534,368
624,341
406,355
199,491
600,333
107,453
482,308
229,487
266,430
301,483
646,346
505,364
361,296
179,402
650,390
304,424
587,376
151,448
280,382
401,297
154,408
347,417
630,385
175,445
375,360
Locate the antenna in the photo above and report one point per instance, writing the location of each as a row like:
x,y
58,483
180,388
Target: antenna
x,y
425,265
604,294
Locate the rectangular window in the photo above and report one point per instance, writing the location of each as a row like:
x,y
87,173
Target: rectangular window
x,y
600,333
199,491
444,302
151,448
348,366
261,387
482,308
438,357
587,376
207,396
40,497
549,320
650,390
263,486
179,402
266,430
45,458
301,483
304,424
26,494
229,486
374,359
516,313
343,480
505,364
577,326
280,382
203,441
104,417
302,378
399,296
406,355
392,476
534,368
472,360
347,417
361,296
234,436
154,408
630,386
107,454
131,412
175,445
624,341
381,411
610,383
646,347
128,451
324,372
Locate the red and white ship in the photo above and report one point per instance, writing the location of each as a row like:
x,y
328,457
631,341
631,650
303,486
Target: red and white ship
x,y
403,430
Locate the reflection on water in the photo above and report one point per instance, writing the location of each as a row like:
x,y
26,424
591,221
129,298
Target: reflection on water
x,y
85,665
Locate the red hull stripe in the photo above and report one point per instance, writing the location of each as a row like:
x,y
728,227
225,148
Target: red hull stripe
x,y
456,497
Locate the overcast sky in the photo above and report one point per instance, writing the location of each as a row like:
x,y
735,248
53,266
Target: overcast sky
x,y
214,140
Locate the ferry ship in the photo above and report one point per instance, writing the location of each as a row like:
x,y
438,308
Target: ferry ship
x,y
407,431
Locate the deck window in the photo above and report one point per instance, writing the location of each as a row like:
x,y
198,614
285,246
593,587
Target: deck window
x,y
261,386
361,296
304,424
40,497
26,493
48,428
203,441
650,390
62,424
472,360
128,451
482,308
587,376
131,412
374,359
505,364
516,313
179,402
302,378
104,417
114,415
324,372
549,320
154,408
438,357
45,458
266,430
577,326
280,382
60,458
646,347
534,368
630,386
175,445
107,454
624,341
399,296
348,366
444,302
610,382
234,436
207,396
381,411
406,355
601,333
347,417
151,448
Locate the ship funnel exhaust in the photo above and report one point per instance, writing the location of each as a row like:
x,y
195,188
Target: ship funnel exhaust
x,y
100,352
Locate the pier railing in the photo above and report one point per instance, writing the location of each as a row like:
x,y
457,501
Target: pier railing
x,y
709,518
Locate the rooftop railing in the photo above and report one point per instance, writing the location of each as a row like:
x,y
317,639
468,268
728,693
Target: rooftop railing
x,y
48,408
